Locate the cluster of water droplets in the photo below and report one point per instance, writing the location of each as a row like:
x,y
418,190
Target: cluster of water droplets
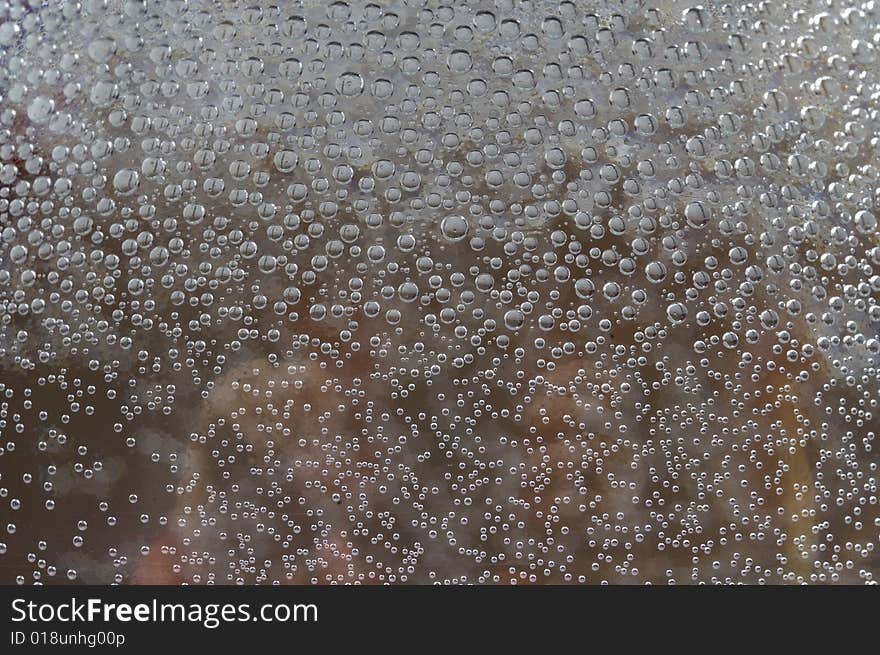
x,y
489,291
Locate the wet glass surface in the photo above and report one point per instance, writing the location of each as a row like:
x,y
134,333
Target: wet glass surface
x,y
497,292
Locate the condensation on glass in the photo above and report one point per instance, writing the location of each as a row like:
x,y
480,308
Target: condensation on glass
x,y
420,291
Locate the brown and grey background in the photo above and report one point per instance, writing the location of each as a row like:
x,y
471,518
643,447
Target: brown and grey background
x,y
492,291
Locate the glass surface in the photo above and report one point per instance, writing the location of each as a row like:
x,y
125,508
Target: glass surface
x,y
499,292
